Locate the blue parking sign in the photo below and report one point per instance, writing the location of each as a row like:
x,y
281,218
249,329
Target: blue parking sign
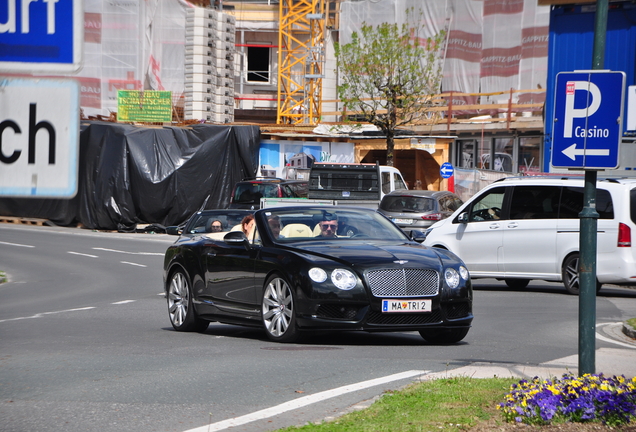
x,y
41,35
588,113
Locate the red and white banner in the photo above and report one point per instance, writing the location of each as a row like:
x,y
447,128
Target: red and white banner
x,y
492,45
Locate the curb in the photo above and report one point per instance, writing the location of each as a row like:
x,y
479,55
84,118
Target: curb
x,y
629,330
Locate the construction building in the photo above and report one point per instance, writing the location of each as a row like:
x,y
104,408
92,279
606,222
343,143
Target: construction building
x,y
272,63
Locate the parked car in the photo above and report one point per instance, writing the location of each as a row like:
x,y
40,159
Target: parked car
x,y
418,209
287,279
519,229
247,194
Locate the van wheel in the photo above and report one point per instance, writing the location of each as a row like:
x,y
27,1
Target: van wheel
x,y
570,274
517,283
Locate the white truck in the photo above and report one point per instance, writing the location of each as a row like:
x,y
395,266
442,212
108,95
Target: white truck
x,y
358,184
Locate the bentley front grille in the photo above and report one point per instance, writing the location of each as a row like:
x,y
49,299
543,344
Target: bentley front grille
x,y
403,282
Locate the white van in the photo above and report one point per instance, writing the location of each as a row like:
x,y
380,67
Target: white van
x,y
518,229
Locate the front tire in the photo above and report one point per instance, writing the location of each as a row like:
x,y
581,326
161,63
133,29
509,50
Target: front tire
x,y
180,309
444,336
278,311
570,275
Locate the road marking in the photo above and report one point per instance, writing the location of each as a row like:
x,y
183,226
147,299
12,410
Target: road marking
x,y
40,315
130,253
132,264
606,339
123,302
304,401
83,254
16,244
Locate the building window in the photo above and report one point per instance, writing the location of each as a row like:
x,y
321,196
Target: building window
x,y
502,157
258,64
529,154
466,153
484,159
505,154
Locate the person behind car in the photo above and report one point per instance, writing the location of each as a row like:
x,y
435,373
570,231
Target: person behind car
x,y
328,225
216,226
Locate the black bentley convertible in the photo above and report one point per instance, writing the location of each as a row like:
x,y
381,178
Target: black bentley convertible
x,y
314,269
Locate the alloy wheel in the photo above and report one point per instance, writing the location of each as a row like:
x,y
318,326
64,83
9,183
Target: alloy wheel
x,y
278,311
178,299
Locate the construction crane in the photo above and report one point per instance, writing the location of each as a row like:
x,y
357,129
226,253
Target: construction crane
x,y
301,60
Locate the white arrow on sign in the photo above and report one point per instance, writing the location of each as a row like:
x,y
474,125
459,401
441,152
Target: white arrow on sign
x,y
445,170
572,152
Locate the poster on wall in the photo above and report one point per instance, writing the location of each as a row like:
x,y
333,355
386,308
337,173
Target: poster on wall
x,y
293,159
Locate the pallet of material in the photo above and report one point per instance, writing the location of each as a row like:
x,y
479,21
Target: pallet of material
x,y
24,221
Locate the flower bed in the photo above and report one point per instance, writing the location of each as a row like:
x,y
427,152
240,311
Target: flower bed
x,y
572,399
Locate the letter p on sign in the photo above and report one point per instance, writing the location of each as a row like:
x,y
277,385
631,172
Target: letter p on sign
x,y
592,106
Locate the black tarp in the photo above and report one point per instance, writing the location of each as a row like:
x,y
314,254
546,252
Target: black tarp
x,y
131,175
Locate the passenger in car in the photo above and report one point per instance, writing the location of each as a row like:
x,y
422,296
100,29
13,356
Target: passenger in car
x,y
247,225
216,226
274,226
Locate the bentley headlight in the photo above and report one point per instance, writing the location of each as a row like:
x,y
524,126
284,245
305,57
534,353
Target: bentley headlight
x,y
317,274
452,277
344,279
463,272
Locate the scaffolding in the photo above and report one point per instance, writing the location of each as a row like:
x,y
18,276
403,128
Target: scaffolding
x,y
301,60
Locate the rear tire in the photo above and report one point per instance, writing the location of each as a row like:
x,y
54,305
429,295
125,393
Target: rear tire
x,y
180,308
444,336
570,274
517,283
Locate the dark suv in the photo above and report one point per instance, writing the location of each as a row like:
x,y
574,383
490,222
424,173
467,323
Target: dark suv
x,y
247,194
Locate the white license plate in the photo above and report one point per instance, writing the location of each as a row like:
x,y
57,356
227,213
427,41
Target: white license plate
x,y
392,306
403,221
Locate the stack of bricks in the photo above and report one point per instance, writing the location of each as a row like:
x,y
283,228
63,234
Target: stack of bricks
x,y
209,66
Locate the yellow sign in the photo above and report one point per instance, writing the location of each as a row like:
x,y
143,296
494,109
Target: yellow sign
x,y
150,106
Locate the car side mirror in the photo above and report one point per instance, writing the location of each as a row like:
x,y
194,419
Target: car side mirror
x,y
417,235
463,218
173,230
236,238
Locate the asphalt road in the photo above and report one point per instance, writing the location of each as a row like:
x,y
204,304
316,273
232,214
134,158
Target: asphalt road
x,y
86,344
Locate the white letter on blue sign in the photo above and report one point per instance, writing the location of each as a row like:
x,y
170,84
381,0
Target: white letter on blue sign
x,y
9,26
570,112
50,16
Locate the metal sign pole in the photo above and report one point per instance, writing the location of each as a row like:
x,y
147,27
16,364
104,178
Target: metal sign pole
x,y
589,216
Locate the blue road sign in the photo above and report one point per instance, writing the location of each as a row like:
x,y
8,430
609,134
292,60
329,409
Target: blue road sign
x,y
41,35
446,170
588,112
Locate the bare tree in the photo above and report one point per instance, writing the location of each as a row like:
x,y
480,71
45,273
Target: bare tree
x,y
388,73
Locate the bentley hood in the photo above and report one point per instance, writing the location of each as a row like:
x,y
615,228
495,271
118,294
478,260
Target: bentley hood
x,y
375,254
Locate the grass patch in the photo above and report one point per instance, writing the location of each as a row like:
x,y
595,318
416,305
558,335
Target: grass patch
x,y
3,277
449,404
632,322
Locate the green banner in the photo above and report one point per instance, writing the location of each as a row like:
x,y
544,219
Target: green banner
x,y
150,106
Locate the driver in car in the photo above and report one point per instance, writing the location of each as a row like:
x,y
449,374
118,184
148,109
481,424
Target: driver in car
x,y
328,225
